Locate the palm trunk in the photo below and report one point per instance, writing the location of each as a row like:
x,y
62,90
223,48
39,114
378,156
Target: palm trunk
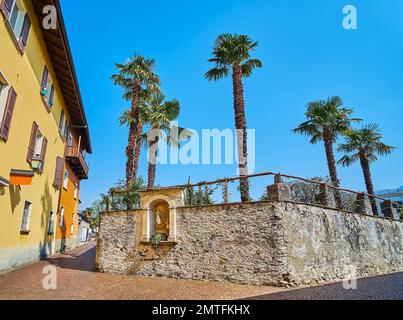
x,y
152,163
137,150
131,146
331,162
368,180
130,155
240,126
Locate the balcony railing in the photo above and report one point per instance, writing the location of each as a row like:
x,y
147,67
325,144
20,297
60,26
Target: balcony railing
x,y
77,162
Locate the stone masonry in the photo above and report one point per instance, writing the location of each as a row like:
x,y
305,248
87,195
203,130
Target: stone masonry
x,y
262,243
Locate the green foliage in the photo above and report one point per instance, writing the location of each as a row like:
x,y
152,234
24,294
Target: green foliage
x,y
129,199
91,215
365,142
225,193
137,69
230,50
156,240
202,196
116,200
325,115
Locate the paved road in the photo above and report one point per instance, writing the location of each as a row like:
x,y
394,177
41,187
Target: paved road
x,y
389,287
77,280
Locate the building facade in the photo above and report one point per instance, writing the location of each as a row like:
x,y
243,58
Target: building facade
x,y
75,170
40,104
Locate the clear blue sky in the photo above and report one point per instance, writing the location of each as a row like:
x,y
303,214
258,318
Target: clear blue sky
x,y
307,55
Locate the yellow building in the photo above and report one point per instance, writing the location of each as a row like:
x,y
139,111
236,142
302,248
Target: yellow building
x,y
40,104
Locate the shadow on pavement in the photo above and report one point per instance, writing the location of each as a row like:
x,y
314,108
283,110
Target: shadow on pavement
x,y
388,287
81,262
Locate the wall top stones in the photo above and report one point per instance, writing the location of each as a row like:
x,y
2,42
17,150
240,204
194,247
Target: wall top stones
x,y
173,196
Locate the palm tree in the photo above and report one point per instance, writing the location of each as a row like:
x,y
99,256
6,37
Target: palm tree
x,y
232,52
326,121
137,78
158,114
364,145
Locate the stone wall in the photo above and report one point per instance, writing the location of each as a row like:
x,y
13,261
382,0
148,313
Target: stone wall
x,y
263,243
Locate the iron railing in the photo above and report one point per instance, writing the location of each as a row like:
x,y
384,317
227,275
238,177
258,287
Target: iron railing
x,y
304,191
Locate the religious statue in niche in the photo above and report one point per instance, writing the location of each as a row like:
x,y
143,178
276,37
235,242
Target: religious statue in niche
x,y
161,216
158,216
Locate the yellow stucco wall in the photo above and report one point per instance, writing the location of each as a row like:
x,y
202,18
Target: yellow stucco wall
x,y
70,205
24,73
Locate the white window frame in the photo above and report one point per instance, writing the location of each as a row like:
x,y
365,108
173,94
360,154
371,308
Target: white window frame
x,y
38,145
26,216
51,222
17,28
66,179
70,140
76,191
61,222
72,224
4,91
63,127
48,88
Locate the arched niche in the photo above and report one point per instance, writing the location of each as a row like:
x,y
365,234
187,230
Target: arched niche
x,y
163,201
159,218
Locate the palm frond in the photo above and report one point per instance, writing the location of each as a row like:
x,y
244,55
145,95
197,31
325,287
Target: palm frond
x,y
249,66
217,73
348,160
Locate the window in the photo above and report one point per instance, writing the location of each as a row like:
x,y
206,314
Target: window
x,y
18,21
76,191
50,229
8,98
72,224
38,145
37,149
61,222
26,217
3,100
63,127
47,88
66,179
70,140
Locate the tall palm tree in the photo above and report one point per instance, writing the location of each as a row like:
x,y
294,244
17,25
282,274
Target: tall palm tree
x,y
231,52
158,115
325,121
137,78
364,145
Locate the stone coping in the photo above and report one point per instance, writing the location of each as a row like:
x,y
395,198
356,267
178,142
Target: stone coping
x,y
262,201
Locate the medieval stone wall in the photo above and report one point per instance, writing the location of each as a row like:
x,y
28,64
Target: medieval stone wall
x,y
263,243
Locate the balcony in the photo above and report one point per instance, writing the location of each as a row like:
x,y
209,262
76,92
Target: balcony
x,y
77,162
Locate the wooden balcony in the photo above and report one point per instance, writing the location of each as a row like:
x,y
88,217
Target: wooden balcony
x,y
77,162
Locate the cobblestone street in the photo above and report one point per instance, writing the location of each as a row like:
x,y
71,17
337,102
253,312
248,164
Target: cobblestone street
x,y
388,287
77,280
